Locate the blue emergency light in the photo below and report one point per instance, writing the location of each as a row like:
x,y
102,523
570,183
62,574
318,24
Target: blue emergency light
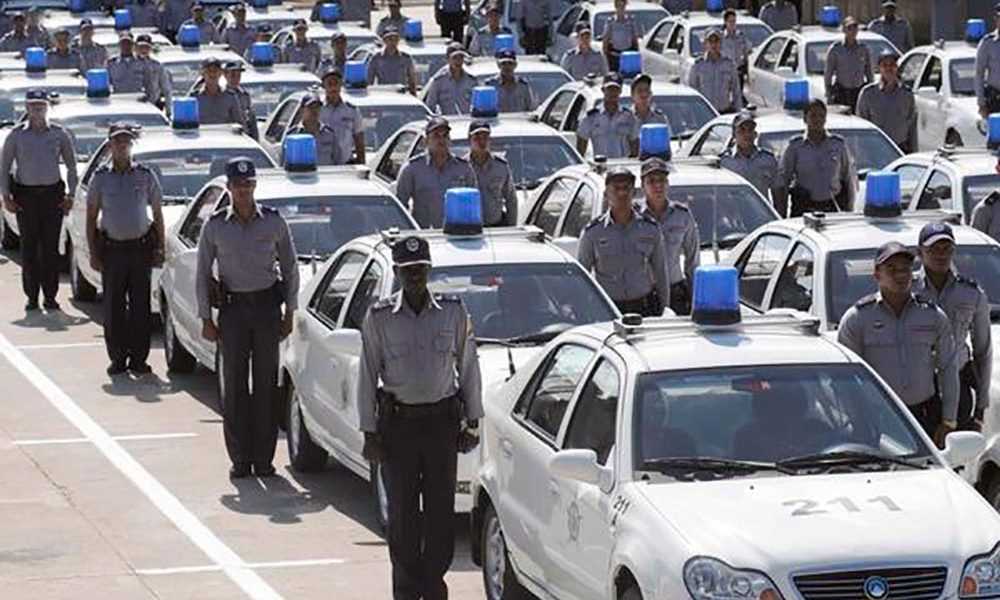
x,y
77,6
485,102
714,6
300,152
829,16
35,60
796,94
975,29
329,13
356,74
463,211
185,113
262,54
716,296
98,85
188,36
993,131
503,41
123,19
413,30
261,4
629,64
654,140
882,195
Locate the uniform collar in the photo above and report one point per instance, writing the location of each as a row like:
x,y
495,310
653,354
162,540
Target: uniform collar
x,y
883,84
808,140
607,221
879,300
430,160
754,151
398,302
131,167
468,156
923,282
231,213
736,33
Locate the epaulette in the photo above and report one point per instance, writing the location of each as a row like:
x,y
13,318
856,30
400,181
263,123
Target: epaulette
x,y
992,197
383,304
419,157
447,298
869,299
762,150
797,139
142,167
924,302
959,278
836,136
220,213
648,219
499,158
520,79
677,205
593,111
593,223
494,81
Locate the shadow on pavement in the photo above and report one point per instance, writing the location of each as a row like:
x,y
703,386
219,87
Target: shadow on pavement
x,y
273,497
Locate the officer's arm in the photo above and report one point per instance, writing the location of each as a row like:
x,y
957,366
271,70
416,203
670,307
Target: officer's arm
x,y
861,109
6,161
868,67
585,252
236,114
288,264
737,93
203,274
782,182
405,187
371,365
982,350
981,217
604,66
372,64
474,48
692,251
660,270
431,100
470,381
359,138
583,133
252,123
411,78
947,368
510,199
93,211
156,205
68,154
564,62
849,177
849,332
831,58
977,82
911,119
909,38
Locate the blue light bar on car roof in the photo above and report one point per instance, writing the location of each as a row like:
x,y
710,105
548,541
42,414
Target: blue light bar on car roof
x,y
796,94
189,36
35,60
329,12
654,140
300,152
716,296
485,102
185,112
882,194
98,84
463,212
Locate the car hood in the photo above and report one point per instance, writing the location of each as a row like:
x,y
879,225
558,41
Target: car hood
x,y
494,364
172,213
799,522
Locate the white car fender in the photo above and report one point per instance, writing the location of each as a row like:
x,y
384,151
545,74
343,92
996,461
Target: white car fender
x,y
634,537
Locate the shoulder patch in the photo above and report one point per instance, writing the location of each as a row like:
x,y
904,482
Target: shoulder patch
x,y
966,280
677,205
869,299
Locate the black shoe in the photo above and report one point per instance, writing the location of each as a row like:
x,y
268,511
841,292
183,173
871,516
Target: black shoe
x,y
31,305
51,305
116,368
140,368
263,470
239,471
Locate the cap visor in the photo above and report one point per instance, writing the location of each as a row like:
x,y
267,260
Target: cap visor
x,y
410,263
905,252
937,237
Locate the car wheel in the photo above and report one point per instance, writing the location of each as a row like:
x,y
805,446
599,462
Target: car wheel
x,y
81,288
632,593
8,239
179,360
499,579
380,495
303,452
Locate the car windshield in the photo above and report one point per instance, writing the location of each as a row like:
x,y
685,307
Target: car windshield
x,y
962,73
12,101
725,214
514,300
768,413
542,84
850,278
183,75
90,131
645,18
320,225
974,189
531,159
816,53
326,48
426,65
755,32
380,122
686,113
871,149
182,172
267,94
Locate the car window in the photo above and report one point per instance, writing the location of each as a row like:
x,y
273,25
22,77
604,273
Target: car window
x,y
332,292
962,75
677,39
595,415
795,284
204,206
909,70
932,75
937,192
276,131
557,109
366,295
580,211
768,57
790,57
381,122
544,402
755,33
573,119
569,20
816,53
975,189
658,41
551,206
909,178
758,265
872,150
714,141
396,155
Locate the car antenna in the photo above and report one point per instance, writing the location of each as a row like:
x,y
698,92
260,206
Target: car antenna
x,y
510,363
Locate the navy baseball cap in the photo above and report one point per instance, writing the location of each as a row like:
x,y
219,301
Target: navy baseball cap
x,y
933,233
36,95
332,72
618,172
241,167
338,36
479,125
411,250
62,31
506,55
126,36
612,79
655,164
454,48
390,31
211,61
887,54
742,118
234,65
86,24
122,128
300,24
640,78
583,27
264,28
144,39
890,249
436,122
888,4
197,6
312,100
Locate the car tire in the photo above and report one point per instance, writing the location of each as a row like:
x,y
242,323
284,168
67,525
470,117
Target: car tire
x,y
499,579
81,288
631,593
179,360
303,453
8,239
380,495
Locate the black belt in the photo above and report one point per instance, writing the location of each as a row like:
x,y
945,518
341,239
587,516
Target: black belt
x,y
132,243
445,406
254,296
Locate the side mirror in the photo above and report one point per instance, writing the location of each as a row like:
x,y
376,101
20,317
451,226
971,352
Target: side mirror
x,y
576,465
961,447
567,244
344,341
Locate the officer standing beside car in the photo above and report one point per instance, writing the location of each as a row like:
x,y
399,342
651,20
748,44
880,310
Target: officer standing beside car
x,y
449,91
158,89
890,105
483,41
624,250
61,56
215,106
610,127
716,77
968,310
16,40
621,33
646,113
238,36
302,50
344,118
895,29
395,18
848,68
35,191
419,346
679,230
513,92
451,16
582,61
907,341
987,78
233,72
757,165
493,178
392,66
245,240
535,20
126,72
92,56
327,147
423,181
736,46
124,248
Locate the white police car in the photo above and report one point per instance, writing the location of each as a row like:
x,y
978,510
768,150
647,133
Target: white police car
x,y
108,39
720,458
70,21
322,32
597,14
671,47
325,207
11,61
510,17
183,62
519,289
542,75
183,156
35,74
428,54
277,17
953,179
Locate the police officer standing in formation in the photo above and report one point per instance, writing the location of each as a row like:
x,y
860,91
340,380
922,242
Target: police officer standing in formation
x,y
126,73
897,30
35,192
451,16
327,147
215,105
610,127
907,341
263,36
513,92
986,215
245,240
175,12
493,178
484,39
848,67
238,36
716,76
987,78
338,41
344,118
425,412
646,113
92,56
302,50
423,181
624,249
233,72
37,34
395,18
158,89
621,33
61,56
968,310
124,248
817,169
779,14
890,105
582,61
206,30
755,164
535,18
679,230
390,65
16,40
449,91
736,46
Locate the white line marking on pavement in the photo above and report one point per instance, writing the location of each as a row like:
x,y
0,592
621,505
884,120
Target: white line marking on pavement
x,y
319,562
59,346
201,536
117,438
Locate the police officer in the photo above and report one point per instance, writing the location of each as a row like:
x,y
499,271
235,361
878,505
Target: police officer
x,y
890,105
92,56
208,34
987,78
245,240
986,214
968,310
302,50
395,18
848,67
624,249
679,230
238,36
493,178
716,77
817,169
736,46
16,40
513,92
124,248
582,61
175,12
678,6
36,193
755,164
158,88
344,118
610,127
263,36
907,341
327,148
484,39
451,16
126,73
449,91
779,14
145,14
423,180
621,33
233,72
36,32
215,106
425,412
338,41
61,56
535,18
897,30
392,66
646,113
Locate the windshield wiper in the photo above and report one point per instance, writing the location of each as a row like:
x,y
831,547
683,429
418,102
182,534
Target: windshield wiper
x,y
724,466
846,457
539,337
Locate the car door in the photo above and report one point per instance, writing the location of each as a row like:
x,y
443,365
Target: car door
x,y
763,78
277,125
937,192
795,288
931,103
550,205
757,268
910,175
554,113
578,214
713,141
674,54
565,35
396,155
911,68
654,60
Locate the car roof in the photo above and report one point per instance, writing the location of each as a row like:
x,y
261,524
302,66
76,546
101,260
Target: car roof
x,y
701,18
157,139
503,245
484,66
324,181
817,33
857,232
279,73
381,95
951,49
109,37
119,104
792,121
659,88
609,6
506,125
277,13
177,54
12,80
686,172
975,162
322,31
429,46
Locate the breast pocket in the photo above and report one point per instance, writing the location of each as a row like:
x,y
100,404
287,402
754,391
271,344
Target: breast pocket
x,y
609,258
398,349
644,248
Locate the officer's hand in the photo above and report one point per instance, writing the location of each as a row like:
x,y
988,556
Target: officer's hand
x,y
942,432
10,204
467,441
372,450
66,205
95,263
287,324
158,256
209,331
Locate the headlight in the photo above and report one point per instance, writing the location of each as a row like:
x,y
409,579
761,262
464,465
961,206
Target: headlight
x,y
711,579
981,577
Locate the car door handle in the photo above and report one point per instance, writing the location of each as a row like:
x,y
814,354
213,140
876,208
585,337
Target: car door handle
x,y
506,447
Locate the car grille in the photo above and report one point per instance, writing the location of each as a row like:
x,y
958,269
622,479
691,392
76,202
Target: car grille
x,y
925,583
